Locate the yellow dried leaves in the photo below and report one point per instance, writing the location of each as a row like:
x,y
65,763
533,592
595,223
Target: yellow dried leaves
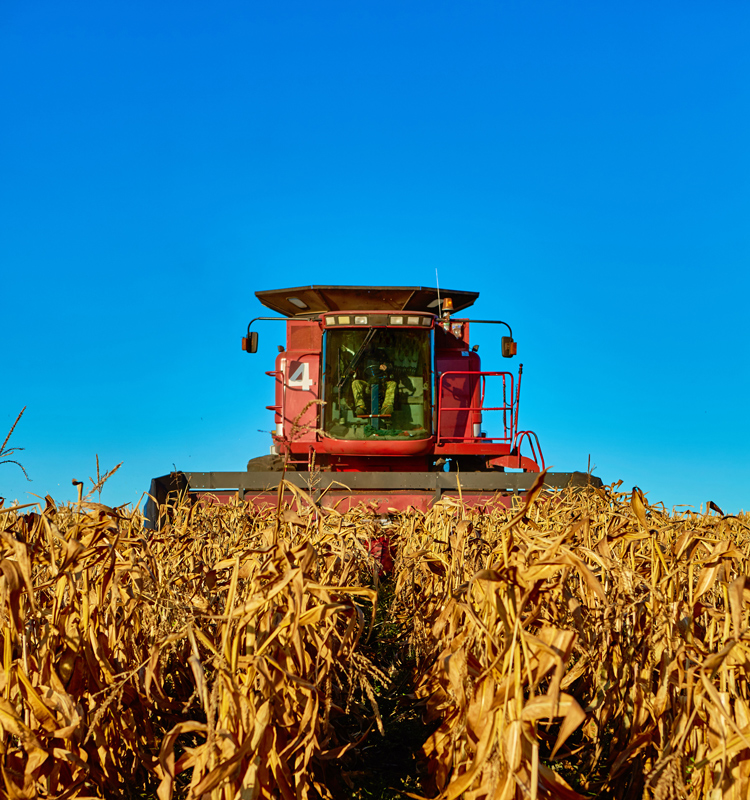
x,y
199,657
582,644
587,635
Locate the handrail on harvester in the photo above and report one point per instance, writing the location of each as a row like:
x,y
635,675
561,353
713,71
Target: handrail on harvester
x,y
520,436
280,409
506,408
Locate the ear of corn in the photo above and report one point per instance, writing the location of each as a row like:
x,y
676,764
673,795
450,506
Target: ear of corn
x,y
583,644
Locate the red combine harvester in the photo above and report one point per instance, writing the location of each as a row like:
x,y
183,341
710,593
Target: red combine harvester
x,y
380,398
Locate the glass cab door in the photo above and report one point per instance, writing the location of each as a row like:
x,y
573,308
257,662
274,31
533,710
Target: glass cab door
x,y
377,383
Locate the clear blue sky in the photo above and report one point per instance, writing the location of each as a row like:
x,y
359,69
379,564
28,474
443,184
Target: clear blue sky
x,y
584,165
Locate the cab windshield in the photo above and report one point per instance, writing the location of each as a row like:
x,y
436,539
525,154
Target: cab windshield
x,y
377,383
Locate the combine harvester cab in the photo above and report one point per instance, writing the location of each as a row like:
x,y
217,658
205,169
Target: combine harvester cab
x,y
380,398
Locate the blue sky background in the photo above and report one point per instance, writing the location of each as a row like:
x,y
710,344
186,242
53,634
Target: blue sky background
x,y
584,166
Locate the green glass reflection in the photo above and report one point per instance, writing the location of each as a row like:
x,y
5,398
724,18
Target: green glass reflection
x,y
377,383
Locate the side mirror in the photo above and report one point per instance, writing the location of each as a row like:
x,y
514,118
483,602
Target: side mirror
x,y
509,347
250,342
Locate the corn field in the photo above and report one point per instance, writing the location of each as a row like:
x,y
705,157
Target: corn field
x,y
582,644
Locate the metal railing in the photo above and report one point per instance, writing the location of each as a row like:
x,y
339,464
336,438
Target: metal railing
x,y
279,375
474,413
535,448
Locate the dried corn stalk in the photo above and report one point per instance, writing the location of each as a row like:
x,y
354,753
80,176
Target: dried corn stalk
x,y
586,635
213,658
584,644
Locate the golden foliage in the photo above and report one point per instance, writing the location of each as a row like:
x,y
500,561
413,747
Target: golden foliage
x,y
220,648
582,644
585,634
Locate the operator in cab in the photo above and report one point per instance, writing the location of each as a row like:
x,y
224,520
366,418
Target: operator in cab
x,y
375,381
378,383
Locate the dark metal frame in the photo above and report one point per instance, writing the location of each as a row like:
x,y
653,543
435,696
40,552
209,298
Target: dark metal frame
x,y
168,488
437,482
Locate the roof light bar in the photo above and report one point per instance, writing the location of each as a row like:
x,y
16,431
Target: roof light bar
x,y
378,320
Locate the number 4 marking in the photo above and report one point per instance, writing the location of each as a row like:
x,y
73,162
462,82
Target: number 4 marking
x,y
300,377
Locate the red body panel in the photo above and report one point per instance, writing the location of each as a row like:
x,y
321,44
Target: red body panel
x,y
458,410
459,392
393,449
298,384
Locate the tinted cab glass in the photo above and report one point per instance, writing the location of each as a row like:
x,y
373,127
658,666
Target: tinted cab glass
x,y
377,383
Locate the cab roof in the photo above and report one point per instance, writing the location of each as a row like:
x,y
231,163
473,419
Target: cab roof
x,y
307,301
